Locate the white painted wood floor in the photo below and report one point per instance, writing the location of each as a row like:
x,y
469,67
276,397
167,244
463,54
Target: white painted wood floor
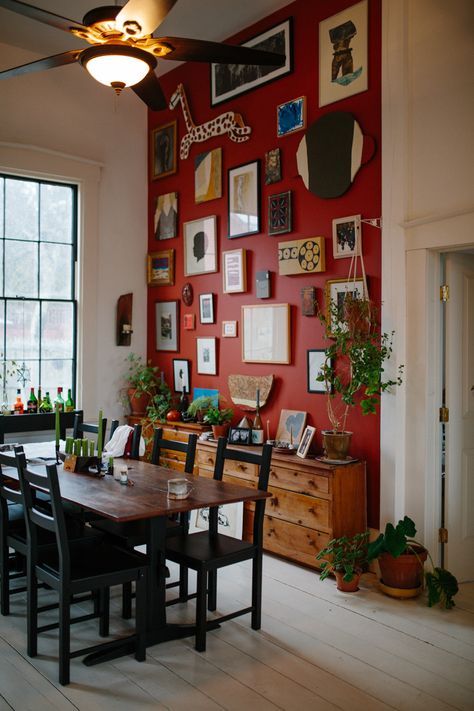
x,y
317,649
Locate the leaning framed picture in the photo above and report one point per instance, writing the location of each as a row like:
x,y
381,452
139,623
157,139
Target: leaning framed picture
x,y
167,325
279,213
229,520
200,246
206,356
160,268
166,216
206,308
181,377
305,443
336,292
315,361
228,80
234,271
266,333
346,239
163,150
244,199
291,116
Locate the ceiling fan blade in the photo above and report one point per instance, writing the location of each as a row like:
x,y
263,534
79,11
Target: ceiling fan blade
x,y
193,50
143,16
57,60
150,91
36,13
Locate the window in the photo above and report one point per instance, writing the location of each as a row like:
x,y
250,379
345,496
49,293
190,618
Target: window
x,y
38,239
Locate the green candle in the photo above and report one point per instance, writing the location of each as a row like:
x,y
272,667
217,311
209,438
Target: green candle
x,y
58,425
99,436
91,447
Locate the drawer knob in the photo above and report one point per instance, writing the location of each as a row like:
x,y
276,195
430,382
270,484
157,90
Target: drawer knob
x,y
242,467
210,461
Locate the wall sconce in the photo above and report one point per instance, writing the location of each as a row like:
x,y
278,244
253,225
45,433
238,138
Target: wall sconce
x,y
124,320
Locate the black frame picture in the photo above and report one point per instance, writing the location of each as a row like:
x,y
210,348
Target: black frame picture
x,y
181,375
163,150
240,435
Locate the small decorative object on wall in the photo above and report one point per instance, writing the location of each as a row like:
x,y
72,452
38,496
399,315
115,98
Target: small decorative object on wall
x,y
346,238
206,308
166,216
343,60
336,292
291,116
200,246
331,152
228,80
240,435
279,213
244,199
234,271
305,443
272,166
291,426
167,325
160,268
301,256
228,123
308,300
229,329
187,294
316,360
266,333
243,390
206,356
163,150
181,375
208,175
189,322
124,319
263,285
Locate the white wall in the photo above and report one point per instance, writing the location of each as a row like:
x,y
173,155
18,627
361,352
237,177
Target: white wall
x,y
62,124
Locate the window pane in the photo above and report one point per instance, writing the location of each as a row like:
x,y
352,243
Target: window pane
x,y
22,330
56,223
55,373
2,183
21,269
21,209
55,271
57,330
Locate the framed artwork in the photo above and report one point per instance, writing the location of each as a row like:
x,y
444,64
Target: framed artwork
x,y
206,308
279,213
240,435
206,356
234,271
208,176
160,268
230,520
272,166
316,359
266,333
244,199
200,249
181,377
343,58
291,116
167,325
163,150
189,322
207,392
166,216
229,329
346,240
336,292
305,443
301,256
228,80
308,300
290,426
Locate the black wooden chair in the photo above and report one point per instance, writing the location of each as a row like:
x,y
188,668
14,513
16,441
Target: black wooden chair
x,y
81,428
207,551
71,567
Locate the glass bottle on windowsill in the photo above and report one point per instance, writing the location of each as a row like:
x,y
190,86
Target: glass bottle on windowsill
x,y
32,403
18,407
59,402
46,405
69,401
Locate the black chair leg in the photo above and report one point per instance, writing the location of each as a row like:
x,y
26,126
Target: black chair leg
x,y
140,617
104,595
127,601
257,566
212,590
183,583
201,617
64,637
5,579
31,612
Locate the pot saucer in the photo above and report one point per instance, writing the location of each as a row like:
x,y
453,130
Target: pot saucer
x,y
347,460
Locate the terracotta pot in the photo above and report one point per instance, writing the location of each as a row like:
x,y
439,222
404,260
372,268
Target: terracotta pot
x,y
138,405
405,572
220,430
336,444
353,586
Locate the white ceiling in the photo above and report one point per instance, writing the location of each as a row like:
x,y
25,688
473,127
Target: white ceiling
x,y
200,19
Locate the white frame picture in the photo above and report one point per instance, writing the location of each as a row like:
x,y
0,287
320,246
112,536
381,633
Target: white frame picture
x,y
234,271
266,333
229,329
244,199
200,246
346,237
206,356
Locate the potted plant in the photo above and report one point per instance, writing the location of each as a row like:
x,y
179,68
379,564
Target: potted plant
x,y
198,407
353,368
143,382
219,420
347,561
401,559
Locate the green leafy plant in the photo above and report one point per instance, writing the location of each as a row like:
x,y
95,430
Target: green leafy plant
x,y
216,416
442,586
160,403
143,376
348,556
200,404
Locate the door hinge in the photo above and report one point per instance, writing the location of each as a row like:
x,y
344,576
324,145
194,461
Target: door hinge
x,y
443,535
444,414
444,292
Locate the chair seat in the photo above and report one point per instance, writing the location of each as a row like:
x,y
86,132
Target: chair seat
x,y
201,548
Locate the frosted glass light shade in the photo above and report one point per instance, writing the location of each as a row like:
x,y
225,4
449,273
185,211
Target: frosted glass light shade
x,y
112,64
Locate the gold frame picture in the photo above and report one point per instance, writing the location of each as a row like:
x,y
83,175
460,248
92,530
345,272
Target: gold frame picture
x,y
160,268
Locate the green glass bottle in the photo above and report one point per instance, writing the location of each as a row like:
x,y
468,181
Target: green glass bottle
x,y
59,402
46,405
69,401
40,399
32,403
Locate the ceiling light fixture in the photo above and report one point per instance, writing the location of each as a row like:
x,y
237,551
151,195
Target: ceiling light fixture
x,y
117,65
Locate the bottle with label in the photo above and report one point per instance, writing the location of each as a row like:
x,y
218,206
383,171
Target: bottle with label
x,y
59,402
46,405
69,401
18,407
32,403
257,428
40,399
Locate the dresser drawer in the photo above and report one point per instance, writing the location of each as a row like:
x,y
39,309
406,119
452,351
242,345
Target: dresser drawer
x,y
299,480
241,470
300,509
170,432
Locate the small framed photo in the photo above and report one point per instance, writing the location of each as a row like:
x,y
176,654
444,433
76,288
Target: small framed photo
x,y
163,150
240,435
189,322
166,216
291,116
208,176
206,308
206,356
279,213
336,292
229,329
160,268
308,300
244,199
305,443
200,248
346,237
181,375
316,360
272,166
234,271
167,325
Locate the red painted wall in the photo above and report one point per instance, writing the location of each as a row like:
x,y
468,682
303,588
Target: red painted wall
x,y
312,216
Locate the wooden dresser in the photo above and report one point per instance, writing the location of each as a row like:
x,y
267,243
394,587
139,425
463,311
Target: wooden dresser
x,y
312,502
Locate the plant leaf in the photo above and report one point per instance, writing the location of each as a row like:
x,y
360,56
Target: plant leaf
x,y
442,587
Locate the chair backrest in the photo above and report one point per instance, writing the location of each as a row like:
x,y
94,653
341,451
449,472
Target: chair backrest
x,y
136,437
42,421
188,448
113,426
9,489
81,427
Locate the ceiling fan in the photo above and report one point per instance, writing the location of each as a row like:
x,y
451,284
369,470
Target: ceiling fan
x,y
124,53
